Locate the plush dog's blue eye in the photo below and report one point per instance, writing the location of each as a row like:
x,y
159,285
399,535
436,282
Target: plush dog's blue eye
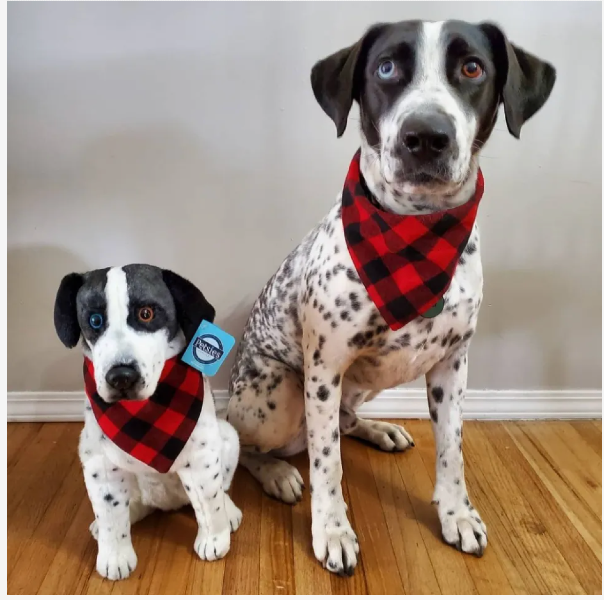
x,y
386,70
96,321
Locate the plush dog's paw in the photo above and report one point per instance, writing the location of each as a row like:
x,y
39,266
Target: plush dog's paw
x,y
212,547
94,530
116,563
336,547
463,528
234,515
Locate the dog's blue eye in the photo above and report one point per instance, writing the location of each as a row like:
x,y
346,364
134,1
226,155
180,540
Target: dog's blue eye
x,y
96,321
386,70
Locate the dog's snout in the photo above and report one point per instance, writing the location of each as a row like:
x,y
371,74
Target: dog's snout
x,y
122,377
427,137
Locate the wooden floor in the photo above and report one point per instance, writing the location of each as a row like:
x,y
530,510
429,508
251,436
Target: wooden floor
x,y
538,487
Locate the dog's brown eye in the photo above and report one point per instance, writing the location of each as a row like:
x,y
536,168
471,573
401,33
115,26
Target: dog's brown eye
x,y
145,314
471,70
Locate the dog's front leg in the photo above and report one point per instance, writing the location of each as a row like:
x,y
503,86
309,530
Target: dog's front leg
x,y
334,542
461,524
109,490
202,478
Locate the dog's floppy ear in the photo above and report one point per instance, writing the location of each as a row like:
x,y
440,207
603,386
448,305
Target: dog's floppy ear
x,y
66,314
524,81
336,79
191,306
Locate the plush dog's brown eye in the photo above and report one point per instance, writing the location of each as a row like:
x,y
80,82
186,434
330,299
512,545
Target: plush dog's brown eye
x,y
145,314
471,70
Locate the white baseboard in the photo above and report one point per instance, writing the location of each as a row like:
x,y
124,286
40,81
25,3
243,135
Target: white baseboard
x,y
401,403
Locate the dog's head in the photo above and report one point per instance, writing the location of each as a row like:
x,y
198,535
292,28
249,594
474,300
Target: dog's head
x,y
131,320
428,95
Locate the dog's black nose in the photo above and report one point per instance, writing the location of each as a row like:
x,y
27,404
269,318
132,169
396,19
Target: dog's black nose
x,y
427,137
122,377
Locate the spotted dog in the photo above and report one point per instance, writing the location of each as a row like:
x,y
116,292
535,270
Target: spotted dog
x,y
130,321
315,348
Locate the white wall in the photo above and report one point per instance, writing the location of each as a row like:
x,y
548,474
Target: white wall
x,y
187,135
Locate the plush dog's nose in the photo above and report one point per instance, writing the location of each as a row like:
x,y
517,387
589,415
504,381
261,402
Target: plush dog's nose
x,y
122,377
427,137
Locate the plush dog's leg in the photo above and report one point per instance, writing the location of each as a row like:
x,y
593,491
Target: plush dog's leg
x,y
461,524
109,491
202,478
334,542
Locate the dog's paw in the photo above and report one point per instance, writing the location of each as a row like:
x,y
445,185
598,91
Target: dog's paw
x,y
463,528
282,481
212,547
386,436
116,563
336,547
94,530
234,515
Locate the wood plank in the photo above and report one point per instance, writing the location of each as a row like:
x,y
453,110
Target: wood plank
x,y
555,445
42,454
175,555
590,434
20,435
310,577
242,563
585,522
449,565
531,538
598,424
277,553
40,549
30,495
414,564
569,542
75,557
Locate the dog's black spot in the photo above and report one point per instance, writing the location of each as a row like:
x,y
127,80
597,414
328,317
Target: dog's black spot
x,y
335,381
317,463
335,435
456,365
471,248
326,451
437,394
271,405
108,498
322,393
434,415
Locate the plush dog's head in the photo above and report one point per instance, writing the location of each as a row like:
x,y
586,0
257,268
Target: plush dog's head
x,y
428,95
131,320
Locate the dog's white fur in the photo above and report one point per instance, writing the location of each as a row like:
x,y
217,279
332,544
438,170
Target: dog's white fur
x,y
123,490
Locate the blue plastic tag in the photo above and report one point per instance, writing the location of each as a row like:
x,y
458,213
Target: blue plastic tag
x,y
208,348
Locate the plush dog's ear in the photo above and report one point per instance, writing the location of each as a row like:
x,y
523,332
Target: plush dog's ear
x,y
191,306
524,81
336,79
66,315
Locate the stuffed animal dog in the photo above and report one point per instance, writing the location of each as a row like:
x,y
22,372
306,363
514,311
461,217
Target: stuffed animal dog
x,y
151,438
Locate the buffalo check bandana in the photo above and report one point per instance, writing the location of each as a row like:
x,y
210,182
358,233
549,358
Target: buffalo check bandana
x,y
405,262
155,430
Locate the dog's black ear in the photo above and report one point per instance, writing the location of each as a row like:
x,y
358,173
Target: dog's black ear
x,y
336,79
66,314
191,306
524,81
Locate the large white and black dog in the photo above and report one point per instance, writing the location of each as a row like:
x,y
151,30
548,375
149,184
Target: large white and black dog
x,y
130,321
315,347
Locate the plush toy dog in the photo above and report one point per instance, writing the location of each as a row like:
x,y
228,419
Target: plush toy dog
x,y
151,437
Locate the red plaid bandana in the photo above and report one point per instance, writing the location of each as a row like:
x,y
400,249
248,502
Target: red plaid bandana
x,y
155,430
406,263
